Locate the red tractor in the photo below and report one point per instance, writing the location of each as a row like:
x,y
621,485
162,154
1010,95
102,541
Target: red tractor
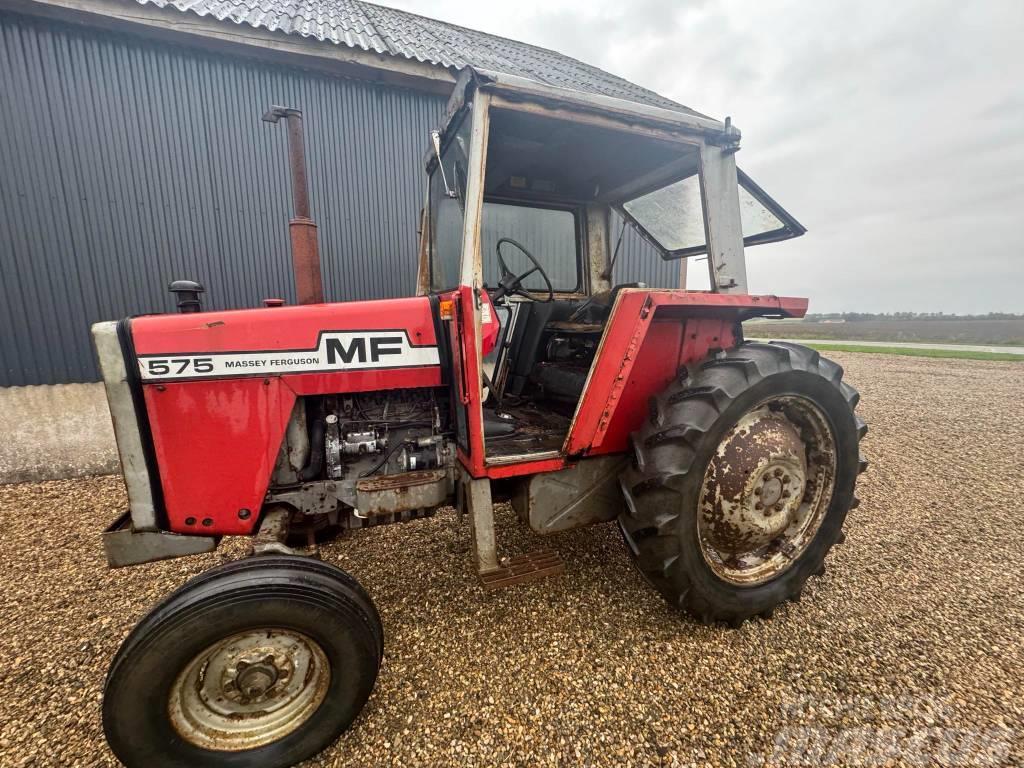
x,y
521,371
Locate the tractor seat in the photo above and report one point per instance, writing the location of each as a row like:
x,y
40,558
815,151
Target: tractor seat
x,y
561,381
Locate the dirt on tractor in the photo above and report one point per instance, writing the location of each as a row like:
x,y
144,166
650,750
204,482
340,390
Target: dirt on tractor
x,y
908,649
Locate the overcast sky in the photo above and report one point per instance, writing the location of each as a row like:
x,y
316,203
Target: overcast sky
x,y
894,131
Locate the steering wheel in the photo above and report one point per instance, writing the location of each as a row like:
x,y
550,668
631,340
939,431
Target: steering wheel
x,y
511,284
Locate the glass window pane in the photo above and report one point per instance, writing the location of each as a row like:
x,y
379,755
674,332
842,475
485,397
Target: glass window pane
x,y
447,213
549,234
672,215
755,217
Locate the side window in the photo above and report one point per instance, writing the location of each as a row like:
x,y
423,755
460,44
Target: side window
x,y
672,216
448,209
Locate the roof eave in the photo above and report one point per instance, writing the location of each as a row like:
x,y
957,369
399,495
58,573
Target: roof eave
x,y
515,86
210,33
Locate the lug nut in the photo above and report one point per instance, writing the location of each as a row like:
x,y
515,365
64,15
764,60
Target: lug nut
x,y
778,473
785,479
759,505
778,507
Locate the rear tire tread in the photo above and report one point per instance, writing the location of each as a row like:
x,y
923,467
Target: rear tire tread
x,y
680,417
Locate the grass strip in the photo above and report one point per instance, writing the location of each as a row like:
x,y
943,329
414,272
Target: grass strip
x,y
956,354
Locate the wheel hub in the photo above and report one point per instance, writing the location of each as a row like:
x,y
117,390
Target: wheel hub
x,y
249,689
770,491
253,681
761,500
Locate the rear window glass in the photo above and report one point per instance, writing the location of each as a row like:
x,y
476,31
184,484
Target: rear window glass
x,y
548,233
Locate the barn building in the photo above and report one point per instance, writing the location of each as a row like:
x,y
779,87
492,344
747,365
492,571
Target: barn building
x,y
133,154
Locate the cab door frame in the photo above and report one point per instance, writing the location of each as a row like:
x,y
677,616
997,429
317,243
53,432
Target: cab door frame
x,y
466,320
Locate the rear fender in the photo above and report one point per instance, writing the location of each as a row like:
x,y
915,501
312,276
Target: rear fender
x,y
649,338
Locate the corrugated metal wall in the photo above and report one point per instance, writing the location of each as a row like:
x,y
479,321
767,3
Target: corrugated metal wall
x,y
127,163
639,261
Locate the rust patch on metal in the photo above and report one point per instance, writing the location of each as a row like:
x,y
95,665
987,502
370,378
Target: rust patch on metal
x,y
306,261
401,481
523,569
744,491
389,494
309,287
765,490
625,367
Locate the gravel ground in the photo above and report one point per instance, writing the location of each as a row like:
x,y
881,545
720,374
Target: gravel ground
x,y
908,650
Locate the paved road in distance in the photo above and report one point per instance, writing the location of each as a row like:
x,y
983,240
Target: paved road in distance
x,y
908,345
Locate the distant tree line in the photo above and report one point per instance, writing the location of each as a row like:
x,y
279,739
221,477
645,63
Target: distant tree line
x,y
854,316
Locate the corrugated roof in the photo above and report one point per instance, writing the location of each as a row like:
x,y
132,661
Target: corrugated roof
x,y
399,33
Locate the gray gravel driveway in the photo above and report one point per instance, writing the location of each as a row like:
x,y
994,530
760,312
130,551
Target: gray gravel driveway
x,y
910,650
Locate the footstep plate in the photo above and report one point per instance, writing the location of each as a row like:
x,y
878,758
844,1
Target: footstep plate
x,y
524,568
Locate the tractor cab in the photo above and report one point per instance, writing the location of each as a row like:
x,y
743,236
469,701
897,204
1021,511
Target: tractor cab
x,y
530,192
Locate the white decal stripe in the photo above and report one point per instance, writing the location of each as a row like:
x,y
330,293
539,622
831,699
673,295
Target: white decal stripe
x,y
338,351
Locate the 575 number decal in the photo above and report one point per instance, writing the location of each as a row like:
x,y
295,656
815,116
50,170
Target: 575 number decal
x,y
178,366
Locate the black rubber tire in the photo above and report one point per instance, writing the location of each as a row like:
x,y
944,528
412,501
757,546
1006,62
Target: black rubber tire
x,y
319,600
672,451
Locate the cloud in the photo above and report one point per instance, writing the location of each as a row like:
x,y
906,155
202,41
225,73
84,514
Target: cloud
x,y
894,131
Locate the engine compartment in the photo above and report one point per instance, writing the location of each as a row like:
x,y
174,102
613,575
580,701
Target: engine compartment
x,y
367,458
338,448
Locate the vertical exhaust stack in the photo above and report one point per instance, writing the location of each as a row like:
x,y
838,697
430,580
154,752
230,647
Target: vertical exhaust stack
x,y
309,287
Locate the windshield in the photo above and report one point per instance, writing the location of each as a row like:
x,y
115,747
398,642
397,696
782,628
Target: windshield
x,y
447,212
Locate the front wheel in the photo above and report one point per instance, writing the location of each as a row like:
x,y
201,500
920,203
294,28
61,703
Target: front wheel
x,y
743,477
263,661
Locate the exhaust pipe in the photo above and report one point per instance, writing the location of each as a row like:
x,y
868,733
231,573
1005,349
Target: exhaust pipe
x,y
309,287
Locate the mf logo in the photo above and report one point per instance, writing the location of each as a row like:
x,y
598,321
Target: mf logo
x,y
356,351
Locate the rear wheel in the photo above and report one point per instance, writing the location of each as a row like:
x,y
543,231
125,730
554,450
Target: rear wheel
x,y
743,478
262,662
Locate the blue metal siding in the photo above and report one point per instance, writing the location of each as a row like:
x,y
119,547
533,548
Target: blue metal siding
x,y
128,163
639,261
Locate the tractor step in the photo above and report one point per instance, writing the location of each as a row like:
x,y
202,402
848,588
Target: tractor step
x,y
522,569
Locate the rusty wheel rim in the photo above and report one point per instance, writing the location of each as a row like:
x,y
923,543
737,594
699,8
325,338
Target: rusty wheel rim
x,y
249,690
766,490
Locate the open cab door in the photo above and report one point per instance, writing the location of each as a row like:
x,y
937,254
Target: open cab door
x,y
448,268
452,271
